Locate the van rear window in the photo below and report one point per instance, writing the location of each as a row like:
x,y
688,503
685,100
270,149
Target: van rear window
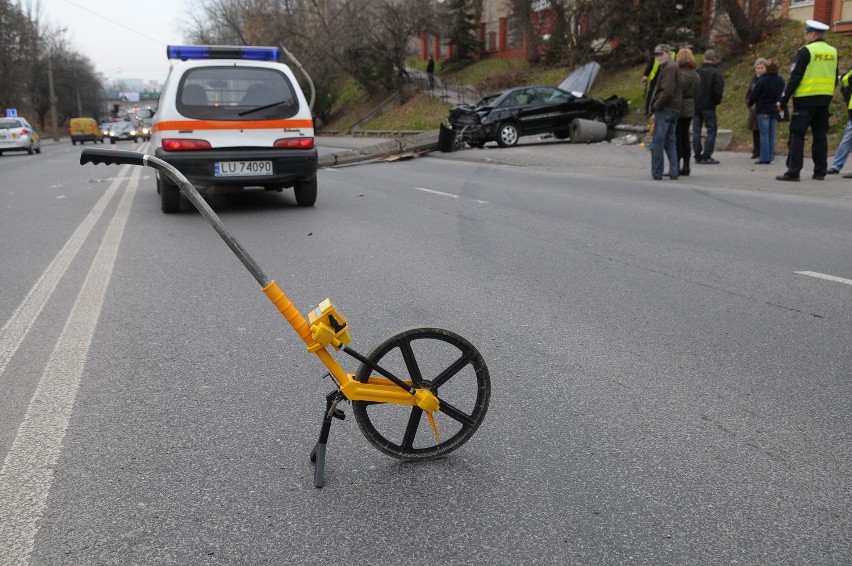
x,y
236,93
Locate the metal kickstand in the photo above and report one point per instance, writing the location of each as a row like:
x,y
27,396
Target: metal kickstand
x,y
318,453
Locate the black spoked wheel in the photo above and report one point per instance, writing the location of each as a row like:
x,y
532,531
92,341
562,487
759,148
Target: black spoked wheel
x,y
442,362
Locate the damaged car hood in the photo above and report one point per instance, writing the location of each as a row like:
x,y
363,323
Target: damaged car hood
x,y
581,79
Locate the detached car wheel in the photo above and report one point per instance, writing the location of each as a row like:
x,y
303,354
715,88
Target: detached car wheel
x,y
306,192
507,135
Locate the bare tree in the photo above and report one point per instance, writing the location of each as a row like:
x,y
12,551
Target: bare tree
x,y
522,14
749,26
18,43
25,47
77,86
364,39
376,57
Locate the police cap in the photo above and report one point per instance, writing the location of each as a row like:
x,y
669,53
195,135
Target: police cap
x,y
816,26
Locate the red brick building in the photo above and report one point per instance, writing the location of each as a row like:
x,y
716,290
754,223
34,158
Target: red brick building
x,y
498,40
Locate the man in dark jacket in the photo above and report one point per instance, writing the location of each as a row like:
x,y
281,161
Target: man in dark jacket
x,y
710,96
811,86
666,103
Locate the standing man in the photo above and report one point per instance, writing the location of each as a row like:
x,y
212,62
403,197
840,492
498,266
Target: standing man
x,y
649,78
666,103
709,97
811,86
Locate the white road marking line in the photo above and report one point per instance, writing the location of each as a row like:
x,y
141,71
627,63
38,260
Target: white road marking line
x,y
28,470
17,327
826,277
434,192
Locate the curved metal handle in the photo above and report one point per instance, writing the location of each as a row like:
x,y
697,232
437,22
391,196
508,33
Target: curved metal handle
x,y
117,157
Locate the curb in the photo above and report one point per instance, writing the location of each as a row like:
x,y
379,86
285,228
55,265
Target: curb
x,y
411,142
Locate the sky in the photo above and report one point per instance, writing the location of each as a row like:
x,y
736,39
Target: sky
x,y
124,39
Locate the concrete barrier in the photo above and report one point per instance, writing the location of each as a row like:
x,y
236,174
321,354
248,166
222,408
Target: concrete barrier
x,y
587,131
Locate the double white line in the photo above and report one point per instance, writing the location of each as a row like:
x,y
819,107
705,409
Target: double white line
x,y
28,469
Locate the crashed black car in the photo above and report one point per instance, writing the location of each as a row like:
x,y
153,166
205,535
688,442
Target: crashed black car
x,y
506,116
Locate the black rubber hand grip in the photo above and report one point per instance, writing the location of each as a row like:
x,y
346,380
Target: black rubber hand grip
x,y
111,156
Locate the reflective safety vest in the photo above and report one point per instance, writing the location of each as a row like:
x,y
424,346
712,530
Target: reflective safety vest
x,y
655,68
821,73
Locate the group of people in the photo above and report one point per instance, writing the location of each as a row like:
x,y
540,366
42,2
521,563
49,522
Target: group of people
x,y
681,95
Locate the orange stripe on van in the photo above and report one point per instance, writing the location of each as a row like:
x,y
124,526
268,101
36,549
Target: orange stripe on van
x,y
175,125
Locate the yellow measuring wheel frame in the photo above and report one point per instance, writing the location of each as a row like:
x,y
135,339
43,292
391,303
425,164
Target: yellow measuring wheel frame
x,y
457,384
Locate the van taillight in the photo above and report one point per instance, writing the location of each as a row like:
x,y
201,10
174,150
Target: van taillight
x,y
294,143
185,145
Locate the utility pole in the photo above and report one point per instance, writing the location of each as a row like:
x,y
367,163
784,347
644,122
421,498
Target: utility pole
x,y
77,90
53,123
301,68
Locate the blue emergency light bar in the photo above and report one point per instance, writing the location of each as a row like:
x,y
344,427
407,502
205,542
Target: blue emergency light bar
x,y
185,52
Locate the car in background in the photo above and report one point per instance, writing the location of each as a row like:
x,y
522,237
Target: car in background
x,y
85,129
145,129
529,110
16,134
123,131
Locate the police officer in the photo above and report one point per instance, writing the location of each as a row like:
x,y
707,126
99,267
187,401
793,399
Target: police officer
x,y
811,86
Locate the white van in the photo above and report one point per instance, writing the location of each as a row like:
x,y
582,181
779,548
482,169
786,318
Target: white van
x,y
231,118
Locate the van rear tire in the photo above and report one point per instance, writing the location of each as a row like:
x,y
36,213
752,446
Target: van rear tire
x,y
306,192
169,196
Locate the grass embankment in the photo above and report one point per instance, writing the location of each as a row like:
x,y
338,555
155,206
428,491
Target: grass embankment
x,y
422,112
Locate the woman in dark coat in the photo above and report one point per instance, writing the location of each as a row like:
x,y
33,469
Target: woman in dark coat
x,y
766,93
691,84
759,71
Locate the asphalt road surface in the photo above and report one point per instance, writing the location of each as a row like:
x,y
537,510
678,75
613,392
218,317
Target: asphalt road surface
x,y
670,366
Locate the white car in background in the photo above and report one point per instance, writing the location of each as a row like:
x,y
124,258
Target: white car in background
x,y
16,134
